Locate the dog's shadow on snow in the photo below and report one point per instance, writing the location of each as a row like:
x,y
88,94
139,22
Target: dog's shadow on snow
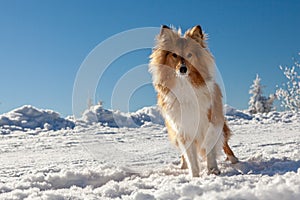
x,y
250,167
268,167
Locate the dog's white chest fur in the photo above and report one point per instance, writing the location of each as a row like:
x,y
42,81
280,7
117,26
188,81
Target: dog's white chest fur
x,y
187,113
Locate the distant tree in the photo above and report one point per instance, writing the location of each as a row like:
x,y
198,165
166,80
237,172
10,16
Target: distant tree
x,y
256,91
259,103
100,103
289,93
90,103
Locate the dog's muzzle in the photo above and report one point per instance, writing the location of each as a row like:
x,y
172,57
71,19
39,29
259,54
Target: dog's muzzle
x,y
183,69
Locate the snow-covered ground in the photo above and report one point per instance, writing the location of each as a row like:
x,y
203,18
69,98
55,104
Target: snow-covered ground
x,y
96,160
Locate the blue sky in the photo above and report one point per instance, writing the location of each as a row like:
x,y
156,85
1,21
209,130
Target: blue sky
x,y
43,44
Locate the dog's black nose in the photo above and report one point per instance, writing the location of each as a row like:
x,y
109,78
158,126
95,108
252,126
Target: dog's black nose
x,y
183,69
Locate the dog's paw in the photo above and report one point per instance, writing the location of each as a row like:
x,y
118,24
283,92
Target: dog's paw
x,y
194,175
183,164
232,159
214,171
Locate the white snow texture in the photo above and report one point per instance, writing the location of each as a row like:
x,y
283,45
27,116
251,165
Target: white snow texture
x,y
114,155
28,118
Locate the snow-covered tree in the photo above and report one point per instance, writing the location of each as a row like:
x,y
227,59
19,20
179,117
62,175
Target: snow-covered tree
x,y
100,103
259,103
89,103
289,93
256,91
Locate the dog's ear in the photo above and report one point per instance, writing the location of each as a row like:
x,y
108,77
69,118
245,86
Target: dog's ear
x,y
165,30
197,34
163,27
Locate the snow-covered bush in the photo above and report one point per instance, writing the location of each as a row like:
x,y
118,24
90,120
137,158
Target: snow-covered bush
x,y
289,93
259,103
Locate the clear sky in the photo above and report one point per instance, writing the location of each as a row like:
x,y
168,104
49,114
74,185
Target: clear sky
x,y
43,43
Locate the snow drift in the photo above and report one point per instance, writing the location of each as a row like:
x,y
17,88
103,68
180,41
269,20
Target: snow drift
x,y
111,118
232,113
29,118
59,165
95,160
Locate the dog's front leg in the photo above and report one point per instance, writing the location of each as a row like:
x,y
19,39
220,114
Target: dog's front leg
x,y
212,141
212,165
189,151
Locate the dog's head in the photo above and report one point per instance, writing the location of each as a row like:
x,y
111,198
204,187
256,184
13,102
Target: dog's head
x,y
183,56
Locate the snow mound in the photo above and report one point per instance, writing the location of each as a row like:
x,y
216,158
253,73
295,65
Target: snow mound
x,y
148,114
30,118
274,116
111,118
113,183
50,184
236,116
232,113
151,115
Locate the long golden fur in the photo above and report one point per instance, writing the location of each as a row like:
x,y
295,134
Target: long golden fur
x,y
190,100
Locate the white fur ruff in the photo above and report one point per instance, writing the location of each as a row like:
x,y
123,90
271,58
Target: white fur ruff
x,y
187,114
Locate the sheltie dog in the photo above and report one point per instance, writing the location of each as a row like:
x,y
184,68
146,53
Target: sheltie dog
x,y
190,100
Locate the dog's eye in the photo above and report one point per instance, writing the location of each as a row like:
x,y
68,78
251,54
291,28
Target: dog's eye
x,y
174,55
189,55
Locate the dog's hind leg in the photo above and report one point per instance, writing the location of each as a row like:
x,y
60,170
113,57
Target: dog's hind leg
x,y
183,164
229,153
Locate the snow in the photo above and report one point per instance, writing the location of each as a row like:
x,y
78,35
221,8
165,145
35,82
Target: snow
x,y
97,160
113,118
233,114
28,118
